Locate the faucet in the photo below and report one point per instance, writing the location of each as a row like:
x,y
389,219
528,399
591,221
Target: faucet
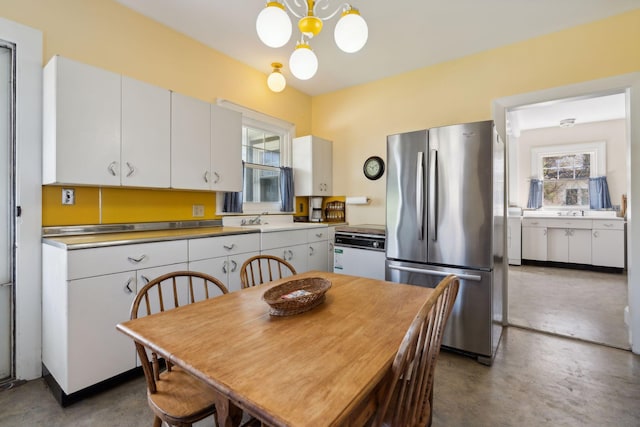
x,y
253,221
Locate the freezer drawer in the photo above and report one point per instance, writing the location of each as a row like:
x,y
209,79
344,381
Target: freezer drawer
x,y
470,327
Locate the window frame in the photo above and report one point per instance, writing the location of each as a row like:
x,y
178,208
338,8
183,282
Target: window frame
x,y
255,119
598,161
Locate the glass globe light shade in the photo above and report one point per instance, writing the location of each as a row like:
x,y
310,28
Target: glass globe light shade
x,y
303,63
276,81
351,31
274,25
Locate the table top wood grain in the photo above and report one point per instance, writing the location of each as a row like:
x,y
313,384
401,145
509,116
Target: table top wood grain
x,y
310,369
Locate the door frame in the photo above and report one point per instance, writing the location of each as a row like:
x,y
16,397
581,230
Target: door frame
x,y
28,195
630,85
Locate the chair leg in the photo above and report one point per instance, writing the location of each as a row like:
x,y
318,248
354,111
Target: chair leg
x,y
157,422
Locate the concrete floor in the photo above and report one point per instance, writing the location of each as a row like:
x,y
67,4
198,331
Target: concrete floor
x,y
575,303
536,379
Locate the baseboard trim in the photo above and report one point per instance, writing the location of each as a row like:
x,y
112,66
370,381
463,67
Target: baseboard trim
x,y
65,399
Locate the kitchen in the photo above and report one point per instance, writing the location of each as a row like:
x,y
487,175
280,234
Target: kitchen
x,y
333,114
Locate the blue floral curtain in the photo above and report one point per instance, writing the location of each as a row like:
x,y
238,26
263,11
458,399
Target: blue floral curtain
x,y
286,189
599,193
233,200
535,194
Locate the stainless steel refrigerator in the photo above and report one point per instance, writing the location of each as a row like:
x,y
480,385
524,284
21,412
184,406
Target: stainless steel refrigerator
x,y
445,214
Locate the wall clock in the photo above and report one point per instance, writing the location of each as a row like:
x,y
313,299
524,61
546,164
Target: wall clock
x,y
373,167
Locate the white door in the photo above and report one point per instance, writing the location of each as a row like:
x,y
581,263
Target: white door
x,y
6,224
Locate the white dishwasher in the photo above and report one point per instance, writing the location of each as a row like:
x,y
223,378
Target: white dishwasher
x,y
360,251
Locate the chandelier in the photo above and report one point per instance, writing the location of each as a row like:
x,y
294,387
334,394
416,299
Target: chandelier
x,y
274,29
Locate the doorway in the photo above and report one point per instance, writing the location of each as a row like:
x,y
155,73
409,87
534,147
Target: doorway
x,y
7,231
571,302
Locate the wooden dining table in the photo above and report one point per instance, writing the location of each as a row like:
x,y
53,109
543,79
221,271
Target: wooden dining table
x,y
318,368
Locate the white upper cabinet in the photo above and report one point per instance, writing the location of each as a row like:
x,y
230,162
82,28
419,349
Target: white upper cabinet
x,y
312,163
190,143
81,127
206,146
226,149
146,132
103,129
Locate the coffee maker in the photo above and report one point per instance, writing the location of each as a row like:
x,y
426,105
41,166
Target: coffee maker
x,y
315,209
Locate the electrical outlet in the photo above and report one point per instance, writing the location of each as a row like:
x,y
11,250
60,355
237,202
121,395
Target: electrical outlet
x,y
198,211
68,196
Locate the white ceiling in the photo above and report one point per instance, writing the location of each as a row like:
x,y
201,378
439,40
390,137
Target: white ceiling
x,y
404,35
584,110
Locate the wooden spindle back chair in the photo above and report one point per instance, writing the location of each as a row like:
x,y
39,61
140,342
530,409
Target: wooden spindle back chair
x,y
175,397
407,395
264,268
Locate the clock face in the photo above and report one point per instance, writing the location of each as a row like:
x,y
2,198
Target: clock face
x,y
373,167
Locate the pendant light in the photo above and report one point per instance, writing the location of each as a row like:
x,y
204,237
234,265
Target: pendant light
x,y
274,29
273,25
276,80
303,63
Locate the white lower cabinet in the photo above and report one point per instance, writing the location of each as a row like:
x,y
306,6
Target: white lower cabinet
x,y
534,240
598,242
86,292
331,239
305,249
318,249
607,244
222,257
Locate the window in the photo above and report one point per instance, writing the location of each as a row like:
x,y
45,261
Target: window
x,y
565,172
266,146
261,154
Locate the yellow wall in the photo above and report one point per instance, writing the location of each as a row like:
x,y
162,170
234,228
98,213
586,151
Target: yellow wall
x,y
106,34
358,119
110,36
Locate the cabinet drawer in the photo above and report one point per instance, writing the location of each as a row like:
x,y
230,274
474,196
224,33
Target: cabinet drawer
x,y
534,222
600,224
280,239
317,234
213,247
557,223
113,259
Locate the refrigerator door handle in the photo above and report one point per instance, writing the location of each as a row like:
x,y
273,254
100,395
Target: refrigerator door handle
x,y
473,277
433,194
420,195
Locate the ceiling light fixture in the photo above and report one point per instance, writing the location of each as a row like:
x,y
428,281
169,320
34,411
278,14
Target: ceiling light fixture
x,y
274,29
567,123
276,80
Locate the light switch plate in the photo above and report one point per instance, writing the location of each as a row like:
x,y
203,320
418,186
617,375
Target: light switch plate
x,y
198,211
68,196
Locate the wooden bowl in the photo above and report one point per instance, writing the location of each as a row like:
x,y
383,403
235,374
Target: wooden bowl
x,y
296,296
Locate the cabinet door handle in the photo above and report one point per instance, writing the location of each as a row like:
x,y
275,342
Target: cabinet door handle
x,y
311,250
234,266
608,225
145,279
112,168
229,247
127,286
595,234
215,181
330,247
319,235
224,267
206,177
131,170
137,260
544,232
